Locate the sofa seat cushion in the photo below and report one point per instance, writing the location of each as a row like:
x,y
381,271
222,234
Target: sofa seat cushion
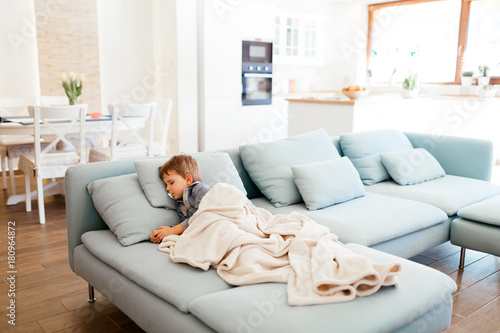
x,y
449,193
153,270
264,308
476,236
370,219
486,211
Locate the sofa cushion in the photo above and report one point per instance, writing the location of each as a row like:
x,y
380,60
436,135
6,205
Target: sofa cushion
x,y
449,193
252,189
216,167
364,148
264,308
322,184
153,270
486,211
122,205
370,219
412,166
270,164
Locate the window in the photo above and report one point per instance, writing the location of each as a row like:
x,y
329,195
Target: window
x,y
436,38
483,42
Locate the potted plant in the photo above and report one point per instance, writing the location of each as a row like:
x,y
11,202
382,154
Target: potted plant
x,y
72,87
487,91
466,78
410,86
484,79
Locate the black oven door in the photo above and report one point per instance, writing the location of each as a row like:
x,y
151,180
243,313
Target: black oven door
x,y
257,89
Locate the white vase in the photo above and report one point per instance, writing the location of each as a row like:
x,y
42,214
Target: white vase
x,y
483,81
410,93
466,81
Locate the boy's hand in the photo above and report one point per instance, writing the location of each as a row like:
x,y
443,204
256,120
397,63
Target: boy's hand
x,y
160,233
164,231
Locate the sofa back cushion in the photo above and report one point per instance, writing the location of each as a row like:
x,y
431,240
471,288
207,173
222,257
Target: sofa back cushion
x,y
327,183
270,164
216,167
364,148
252,189
412,166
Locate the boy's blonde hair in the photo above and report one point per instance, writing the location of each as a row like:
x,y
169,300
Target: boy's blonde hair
x,y
183,165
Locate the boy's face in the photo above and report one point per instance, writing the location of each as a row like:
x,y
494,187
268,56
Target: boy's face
x,y
176,183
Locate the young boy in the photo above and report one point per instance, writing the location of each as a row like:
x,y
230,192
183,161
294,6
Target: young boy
x,y
182,176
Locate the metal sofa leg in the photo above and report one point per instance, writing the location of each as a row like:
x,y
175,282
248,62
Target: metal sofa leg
x,y
91,294
462,258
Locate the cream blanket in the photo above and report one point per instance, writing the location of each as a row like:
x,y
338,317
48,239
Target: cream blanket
x,y
249,245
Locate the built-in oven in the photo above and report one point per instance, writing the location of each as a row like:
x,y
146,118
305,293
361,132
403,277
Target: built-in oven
x,y
257,89
257,72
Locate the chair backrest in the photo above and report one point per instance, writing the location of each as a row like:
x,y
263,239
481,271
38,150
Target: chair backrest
x,y
54,100
60,121
16,106
163,116
127,121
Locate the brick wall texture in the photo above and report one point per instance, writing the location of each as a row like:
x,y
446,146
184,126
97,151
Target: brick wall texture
x,y
67,38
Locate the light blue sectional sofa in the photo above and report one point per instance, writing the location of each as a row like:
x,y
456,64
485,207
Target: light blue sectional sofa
x,y
112,207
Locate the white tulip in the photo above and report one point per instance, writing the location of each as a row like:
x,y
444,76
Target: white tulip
x,y
72,76
64,78
82,77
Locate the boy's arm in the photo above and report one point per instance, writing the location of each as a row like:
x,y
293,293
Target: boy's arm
x,y
198,194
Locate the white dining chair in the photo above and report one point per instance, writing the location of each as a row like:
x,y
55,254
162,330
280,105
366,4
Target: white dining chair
x,y
49,163
128,140
162,126
91,139
12,146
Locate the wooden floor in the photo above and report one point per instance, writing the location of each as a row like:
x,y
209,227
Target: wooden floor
x,y
51,298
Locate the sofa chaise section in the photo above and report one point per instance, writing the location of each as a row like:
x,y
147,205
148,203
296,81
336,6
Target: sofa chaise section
x,y
262,308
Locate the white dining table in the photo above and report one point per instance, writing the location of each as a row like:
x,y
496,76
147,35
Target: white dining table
x,y
24,126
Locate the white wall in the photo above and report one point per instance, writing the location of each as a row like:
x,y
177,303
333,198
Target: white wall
x,y
148,52
18,55
125,51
